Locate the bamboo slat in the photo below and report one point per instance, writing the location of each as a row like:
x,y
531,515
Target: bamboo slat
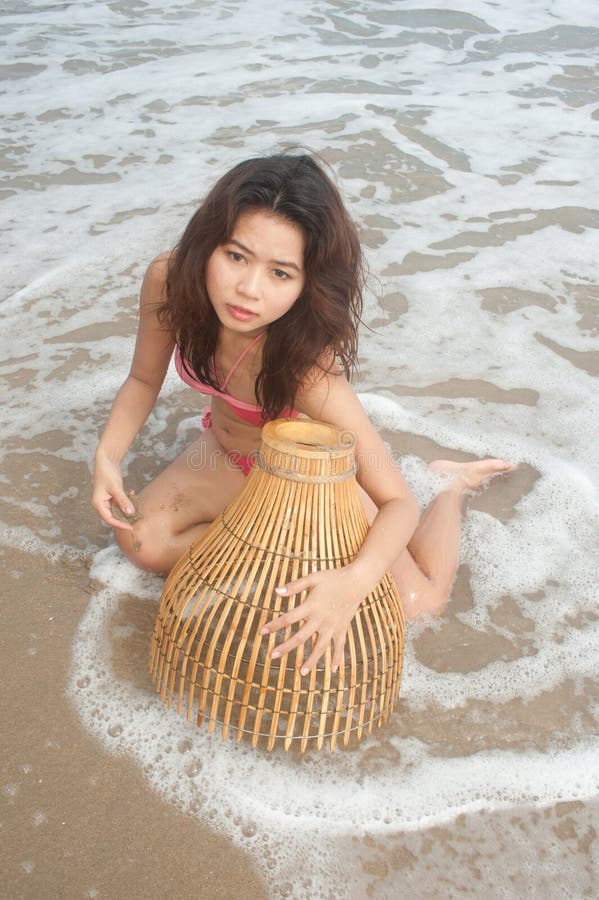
x,y
299,512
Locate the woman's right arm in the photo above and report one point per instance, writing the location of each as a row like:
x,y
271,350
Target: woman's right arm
x,y
135,399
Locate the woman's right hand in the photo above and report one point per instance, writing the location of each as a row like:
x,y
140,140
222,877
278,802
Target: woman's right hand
x,y
108,490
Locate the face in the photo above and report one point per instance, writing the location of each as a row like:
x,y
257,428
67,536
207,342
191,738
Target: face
x,y
257,275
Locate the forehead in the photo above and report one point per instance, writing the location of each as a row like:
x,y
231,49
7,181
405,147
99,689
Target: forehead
x,y
269,236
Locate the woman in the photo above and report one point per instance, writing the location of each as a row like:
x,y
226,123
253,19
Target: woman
x,y
261,301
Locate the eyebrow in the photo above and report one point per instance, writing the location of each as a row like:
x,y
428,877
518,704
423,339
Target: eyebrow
x,y
286,264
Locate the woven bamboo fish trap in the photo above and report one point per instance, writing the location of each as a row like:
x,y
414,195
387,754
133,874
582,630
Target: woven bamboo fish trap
x,y
298,512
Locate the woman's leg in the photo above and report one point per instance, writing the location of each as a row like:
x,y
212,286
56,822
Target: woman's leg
x,y
425,571
176,507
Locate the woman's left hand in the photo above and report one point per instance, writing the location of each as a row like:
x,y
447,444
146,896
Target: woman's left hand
x,y
331,604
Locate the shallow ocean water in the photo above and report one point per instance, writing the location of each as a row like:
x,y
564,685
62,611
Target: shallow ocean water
x,y
464,140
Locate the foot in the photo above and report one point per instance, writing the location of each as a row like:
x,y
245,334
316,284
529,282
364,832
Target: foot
x,y
471,475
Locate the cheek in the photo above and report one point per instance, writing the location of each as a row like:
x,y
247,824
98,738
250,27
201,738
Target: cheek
x,y
290,300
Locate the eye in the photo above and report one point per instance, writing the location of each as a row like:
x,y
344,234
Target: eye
x,y
235,256
280,274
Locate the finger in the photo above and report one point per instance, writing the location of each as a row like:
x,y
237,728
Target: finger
x,y
102,507
295,587
289,618
124,503
300,637
116,523
338,648
318,650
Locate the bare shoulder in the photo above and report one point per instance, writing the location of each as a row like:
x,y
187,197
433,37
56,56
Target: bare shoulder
x,y
331,398
157,271
325,393
319,377
154,345
153,289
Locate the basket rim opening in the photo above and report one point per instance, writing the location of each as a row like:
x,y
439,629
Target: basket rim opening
x,y
308,437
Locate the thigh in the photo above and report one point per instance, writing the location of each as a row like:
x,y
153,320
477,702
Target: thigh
x,y
194,488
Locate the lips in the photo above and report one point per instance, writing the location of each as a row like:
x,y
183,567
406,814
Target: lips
x,y
241,314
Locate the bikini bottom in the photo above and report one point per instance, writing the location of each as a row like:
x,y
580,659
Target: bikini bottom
x,y
245,463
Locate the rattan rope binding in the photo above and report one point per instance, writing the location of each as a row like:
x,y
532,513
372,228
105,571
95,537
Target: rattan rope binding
x,y
298,512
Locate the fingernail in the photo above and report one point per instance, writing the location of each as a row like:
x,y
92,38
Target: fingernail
x,y
304,671
275,654
264,630
335,669
282,590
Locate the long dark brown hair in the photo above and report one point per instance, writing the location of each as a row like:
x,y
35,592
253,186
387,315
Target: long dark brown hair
x,y
321,326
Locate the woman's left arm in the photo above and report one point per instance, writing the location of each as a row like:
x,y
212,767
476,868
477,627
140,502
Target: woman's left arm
x,y
335,594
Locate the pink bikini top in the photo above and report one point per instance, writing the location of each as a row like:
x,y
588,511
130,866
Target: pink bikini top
x,y
249,412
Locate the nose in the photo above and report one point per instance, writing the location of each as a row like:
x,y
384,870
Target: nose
x,y
249,284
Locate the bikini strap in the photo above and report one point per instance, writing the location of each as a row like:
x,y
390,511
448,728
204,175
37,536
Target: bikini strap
x,y
239,359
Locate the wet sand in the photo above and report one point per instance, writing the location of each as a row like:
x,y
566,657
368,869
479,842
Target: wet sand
x,y
79,822
76,821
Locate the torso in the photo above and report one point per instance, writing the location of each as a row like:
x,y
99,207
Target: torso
x,y
231,431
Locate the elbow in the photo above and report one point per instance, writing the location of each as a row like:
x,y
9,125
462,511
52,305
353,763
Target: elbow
x,y
149,383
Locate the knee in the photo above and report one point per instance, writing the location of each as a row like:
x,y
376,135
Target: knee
x,y
145,546
419,603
